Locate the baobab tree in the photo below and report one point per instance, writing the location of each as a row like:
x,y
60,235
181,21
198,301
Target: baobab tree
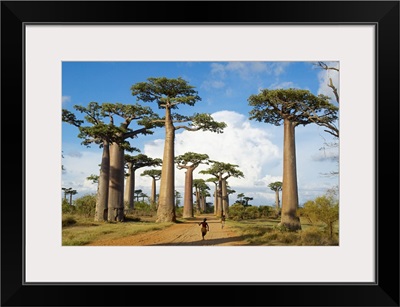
x,y
215,181
200,188
155,175
240,198
71,192
169,94
291,107
126,115
189,161
66,191
112,137
133,163
99,133
246,200
276,187
223,171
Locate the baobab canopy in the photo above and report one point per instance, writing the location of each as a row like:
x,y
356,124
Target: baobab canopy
x,y
298,106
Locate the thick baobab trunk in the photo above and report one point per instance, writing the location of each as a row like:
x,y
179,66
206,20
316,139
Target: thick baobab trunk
x,y
102,188
188,197
166,199
225,199
290,200
130,188
116,184
70,199
203,203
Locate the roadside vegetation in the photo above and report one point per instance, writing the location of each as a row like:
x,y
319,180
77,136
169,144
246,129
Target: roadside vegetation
x,y
259,225
79,228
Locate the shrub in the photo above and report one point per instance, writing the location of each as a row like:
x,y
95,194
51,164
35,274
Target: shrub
x,y
251,213
266,211
323,209
236,212
86,205
68,220
66,208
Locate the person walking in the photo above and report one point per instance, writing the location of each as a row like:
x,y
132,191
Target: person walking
x,y
222,221
204,227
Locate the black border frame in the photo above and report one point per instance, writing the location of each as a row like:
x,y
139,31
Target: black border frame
x,y
383,14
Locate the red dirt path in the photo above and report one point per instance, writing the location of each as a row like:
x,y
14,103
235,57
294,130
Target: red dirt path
x,y
186,233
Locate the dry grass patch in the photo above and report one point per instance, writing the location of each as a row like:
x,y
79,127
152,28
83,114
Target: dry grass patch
x,y
85,231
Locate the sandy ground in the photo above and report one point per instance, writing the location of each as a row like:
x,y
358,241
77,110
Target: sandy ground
x,y
182,234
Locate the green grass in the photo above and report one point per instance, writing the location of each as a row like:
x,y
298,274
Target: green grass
x,y
264,232
84,230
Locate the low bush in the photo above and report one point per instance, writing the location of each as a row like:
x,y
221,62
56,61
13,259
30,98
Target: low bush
x,y
68,220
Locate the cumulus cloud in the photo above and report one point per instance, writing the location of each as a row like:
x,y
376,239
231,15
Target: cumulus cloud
x,y
78,167
241,144
256,149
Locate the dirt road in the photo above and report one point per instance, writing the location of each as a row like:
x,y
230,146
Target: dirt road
x,y
186,233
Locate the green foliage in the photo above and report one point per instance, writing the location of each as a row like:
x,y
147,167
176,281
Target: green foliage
x,y
205,122
323,209
191,158
142,160
298,105
219,168
166,92
143,208
67,208
275,186
266,211
251,213
86,205
236,212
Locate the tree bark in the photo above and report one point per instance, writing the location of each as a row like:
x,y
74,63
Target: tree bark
x,y
220,209
188,197
290,200
166,199
130,188
153,191
277,199
215,199
102,188
225,199
198,210
116,184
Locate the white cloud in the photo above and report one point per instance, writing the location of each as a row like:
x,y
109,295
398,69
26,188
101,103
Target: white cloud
x,y
77,168
241,144
66,99
324,77
256,148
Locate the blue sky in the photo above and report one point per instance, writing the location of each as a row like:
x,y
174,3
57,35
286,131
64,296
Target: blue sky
x,y
224,88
